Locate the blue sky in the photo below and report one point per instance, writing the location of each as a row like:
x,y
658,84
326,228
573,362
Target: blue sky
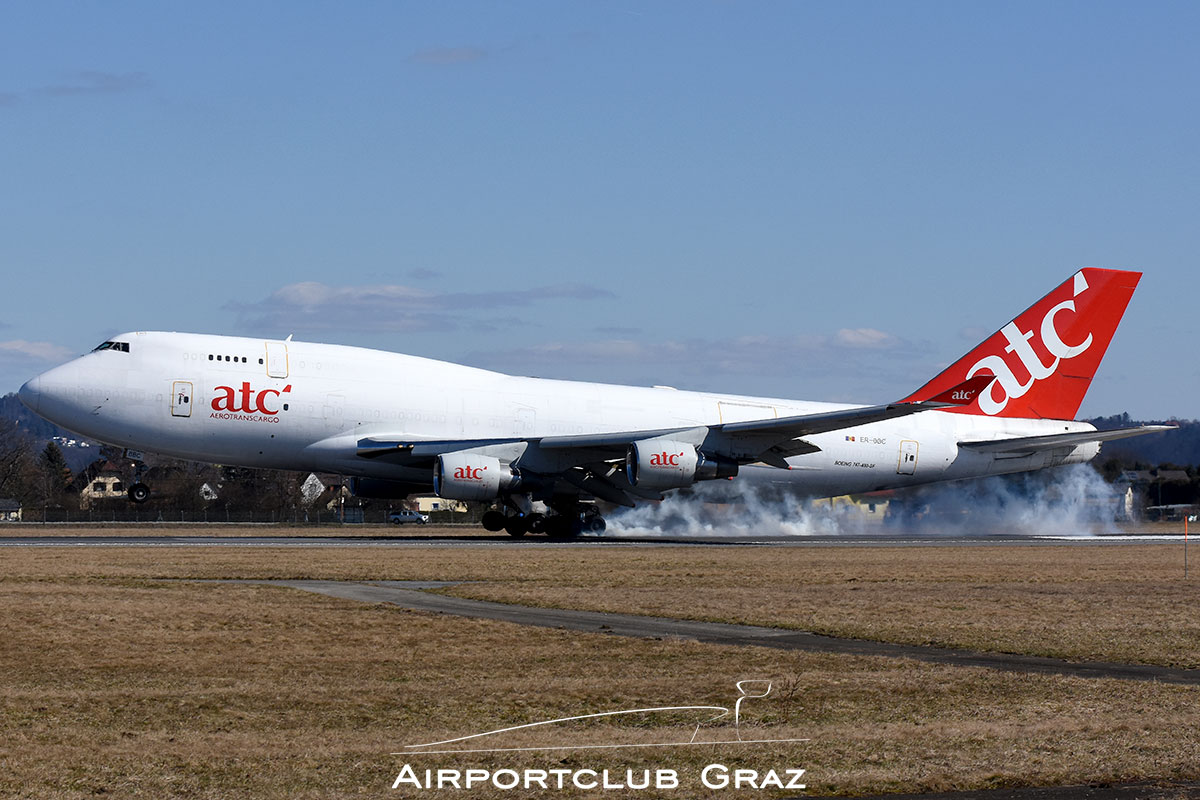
x,y
821,201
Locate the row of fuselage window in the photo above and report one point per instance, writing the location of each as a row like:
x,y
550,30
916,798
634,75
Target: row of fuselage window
x,y
234,359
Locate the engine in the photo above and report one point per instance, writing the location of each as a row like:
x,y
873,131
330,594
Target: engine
x,y
667,464
470,476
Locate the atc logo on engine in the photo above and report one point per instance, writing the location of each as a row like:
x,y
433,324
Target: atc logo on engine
x,y
665,459
469,473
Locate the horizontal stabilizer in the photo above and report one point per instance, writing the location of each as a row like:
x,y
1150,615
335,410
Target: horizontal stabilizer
x,y
1027,445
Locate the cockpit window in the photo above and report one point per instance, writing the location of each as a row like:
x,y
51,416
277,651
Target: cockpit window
x,y
122,346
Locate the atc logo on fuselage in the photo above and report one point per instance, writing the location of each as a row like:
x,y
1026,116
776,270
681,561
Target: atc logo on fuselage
x,y
246,403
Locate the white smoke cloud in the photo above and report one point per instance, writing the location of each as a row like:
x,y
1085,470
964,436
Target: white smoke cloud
x,y
707,510
1068,501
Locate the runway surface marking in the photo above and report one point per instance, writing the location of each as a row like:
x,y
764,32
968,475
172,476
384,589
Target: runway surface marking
x,y
411,595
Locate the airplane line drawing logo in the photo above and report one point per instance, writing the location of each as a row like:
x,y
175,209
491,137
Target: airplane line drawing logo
x,y
747,690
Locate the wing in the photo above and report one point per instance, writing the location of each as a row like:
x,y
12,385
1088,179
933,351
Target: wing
x,y
594,462
768,440
1028,445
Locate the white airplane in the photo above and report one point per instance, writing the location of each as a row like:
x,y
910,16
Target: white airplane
x,y
400,424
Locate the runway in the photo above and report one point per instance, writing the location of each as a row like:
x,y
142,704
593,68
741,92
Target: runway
x,y
101,539
412,595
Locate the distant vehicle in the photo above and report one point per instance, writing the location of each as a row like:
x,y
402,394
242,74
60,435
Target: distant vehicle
x,y
404,515
400,425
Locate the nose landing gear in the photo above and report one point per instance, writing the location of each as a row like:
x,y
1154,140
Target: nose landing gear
x,y
138,491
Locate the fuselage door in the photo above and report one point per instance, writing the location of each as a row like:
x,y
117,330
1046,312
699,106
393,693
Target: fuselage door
x,y
181,399
908,458
277,359
334,411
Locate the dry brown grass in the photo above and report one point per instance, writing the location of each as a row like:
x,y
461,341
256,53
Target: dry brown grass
x,y
1124,603
121,685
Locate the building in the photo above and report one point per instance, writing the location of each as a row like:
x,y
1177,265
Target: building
x,y
427,504
10,510
100,480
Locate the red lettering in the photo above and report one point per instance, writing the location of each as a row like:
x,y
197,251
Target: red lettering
x,y
469,473
246,395
258,401
665,459
225,401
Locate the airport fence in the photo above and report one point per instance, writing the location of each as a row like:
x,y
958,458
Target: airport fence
x,y
213,516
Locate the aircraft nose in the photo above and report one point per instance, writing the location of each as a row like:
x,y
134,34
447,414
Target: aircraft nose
x,y
31,393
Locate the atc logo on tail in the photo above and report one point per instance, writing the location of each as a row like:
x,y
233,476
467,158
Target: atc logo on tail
x,y
1044,360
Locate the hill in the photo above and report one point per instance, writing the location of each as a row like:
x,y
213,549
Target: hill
x,y
40,430
1181,447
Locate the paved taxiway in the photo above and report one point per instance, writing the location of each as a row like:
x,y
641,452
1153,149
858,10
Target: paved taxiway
x,y
412,595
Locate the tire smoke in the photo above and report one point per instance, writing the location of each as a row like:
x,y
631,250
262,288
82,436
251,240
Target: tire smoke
x,y
1064,501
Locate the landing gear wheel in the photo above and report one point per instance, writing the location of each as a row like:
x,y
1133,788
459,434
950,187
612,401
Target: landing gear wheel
x,y
516,526
493,521
536,523
597,524
139,492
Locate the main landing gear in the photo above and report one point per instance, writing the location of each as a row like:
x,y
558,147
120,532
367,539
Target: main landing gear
x,y
565,521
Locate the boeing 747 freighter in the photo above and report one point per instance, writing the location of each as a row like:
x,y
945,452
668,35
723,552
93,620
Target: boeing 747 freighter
x,y
401,424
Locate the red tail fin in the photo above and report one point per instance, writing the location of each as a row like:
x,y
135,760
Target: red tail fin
x,y
1044,360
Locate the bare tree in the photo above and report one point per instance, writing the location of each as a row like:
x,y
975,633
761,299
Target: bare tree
x,y
16,462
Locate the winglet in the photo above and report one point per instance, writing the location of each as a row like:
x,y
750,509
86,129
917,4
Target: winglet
x,y
964,393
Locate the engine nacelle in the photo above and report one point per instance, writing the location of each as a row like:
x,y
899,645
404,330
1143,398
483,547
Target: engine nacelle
x,y
469,476
667,464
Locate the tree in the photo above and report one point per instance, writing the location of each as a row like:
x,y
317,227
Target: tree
x,y
259,490
54,466
51,477
16,463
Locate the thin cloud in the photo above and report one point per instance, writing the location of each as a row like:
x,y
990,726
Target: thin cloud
x,y
30,352
867,338
93,82
445,56
422,274
312,306
688,357
813,366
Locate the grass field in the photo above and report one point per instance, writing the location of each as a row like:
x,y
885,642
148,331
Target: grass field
x,y
120,683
